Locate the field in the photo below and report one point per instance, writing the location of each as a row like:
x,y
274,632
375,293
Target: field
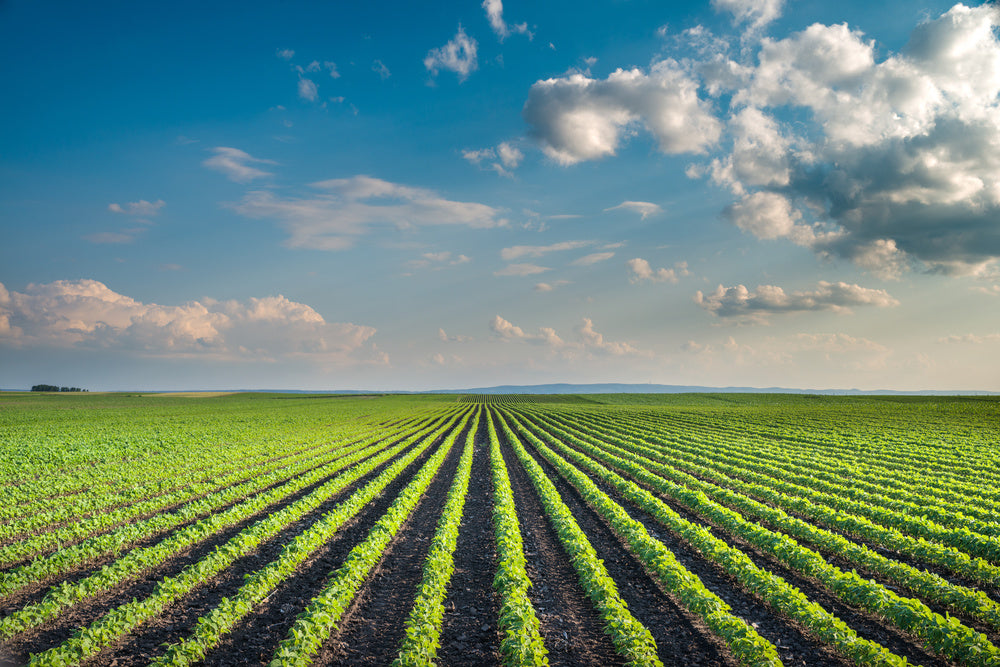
x,y
701,529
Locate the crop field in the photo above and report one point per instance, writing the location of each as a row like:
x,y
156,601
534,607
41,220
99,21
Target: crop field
x,y
697,529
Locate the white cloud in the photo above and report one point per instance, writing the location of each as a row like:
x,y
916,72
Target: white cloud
x,y
502,159
972,339
88,314
438,260
898,159
521,270
331,67
458,56
740,302
836,343
757,13
444,337
519,251
379,68
494,12
593,340
578,118
285,54
548,287
509,154
140,208
308,90
592,258
235,164
641,270
348,207
643,208
588,341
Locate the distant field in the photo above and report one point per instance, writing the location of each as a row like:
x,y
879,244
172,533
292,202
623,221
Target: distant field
x,y
676,529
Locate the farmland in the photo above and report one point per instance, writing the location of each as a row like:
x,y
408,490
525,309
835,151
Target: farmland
x,y
696,529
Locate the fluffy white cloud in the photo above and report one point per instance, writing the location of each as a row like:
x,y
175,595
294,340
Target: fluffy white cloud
x,y
348,207
494,12
595,341
521,270
88,314
458,56
444,337
519,251
578,118
236,164
592,258
643,208
641,270
141,208
756,306
757,13
899,159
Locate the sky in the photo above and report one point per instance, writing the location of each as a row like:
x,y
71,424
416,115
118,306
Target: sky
x,y
397,195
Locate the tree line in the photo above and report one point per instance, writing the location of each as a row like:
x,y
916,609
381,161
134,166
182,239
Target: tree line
x,y
52,387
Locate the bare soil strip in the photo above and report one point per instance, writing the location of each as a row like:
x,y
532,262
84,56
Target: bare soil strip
x,y
373,627
572,629
470,634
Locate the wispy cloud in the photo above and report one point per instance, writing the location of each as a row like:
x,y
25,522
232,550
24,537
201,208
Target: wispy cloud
x,y
141,208
503,30
347,208
521,270
534,251
236,164
379,68
645,209
593,258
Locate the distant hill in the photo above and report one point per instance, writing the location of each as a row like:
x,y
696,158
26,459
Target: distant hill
x,y
619,388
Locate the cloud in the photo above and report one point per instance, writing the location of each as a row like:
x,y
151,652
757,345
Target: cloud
x,y
739,302
140,208
346,208
308,90
285,54
593,258
641,270
503,159
438,260
578,118
548,287
331,67
235,164
519,251
521,270
891,164
458,56
87,314
442,336
588,341
835,343
379,68
971,339
494,13
643,208
757,13
110,238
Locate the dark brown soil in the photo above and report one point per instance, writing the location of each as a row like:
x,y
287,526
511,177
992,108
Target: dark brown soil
x,y
373,627
571,628
470,632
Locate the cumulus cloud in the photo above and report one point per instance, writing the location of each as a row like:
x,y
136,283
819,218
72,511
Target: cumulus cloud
x,y
141,208
578,118
494,13
519,251
595,341
236,164
641,270
458,56
88,314
592,258
346,208
643,208
756,13
756,306
898,159
521,270
444,337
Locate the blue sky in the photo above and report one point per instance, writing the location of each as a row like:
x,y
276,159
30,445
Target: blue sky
x,y
399,196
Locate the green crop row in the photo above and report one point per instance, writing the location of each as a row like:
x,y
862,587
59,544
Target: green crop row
x,y
321,616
